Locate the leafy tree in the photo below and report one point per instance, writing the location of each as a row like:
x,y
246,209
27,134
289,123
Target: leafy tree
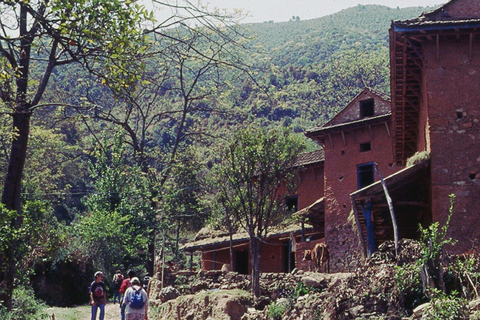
x,y
120,218
256,164
41,35
181,207
44,35
35,237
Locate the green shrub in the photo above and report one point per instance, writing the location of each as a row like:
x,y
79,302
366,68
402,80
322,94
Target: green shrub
x,y
181,280
278,308
446,307
24,306
302,289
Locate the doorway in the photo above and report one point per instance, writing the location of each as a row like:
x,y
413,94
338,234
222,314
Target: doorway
x,y
241,262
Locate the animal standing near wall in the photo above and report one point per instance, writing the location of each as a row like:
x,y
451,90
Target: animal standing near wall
x,y
319,258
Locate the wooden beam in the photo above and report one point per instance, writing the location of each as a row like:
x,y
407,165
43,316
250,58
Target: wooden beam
x,y
438,47
390,206
471,46
413,203
387,128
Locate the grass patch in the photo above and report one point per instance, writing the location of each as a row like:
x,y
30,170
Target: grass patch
x,y
112,312
77,313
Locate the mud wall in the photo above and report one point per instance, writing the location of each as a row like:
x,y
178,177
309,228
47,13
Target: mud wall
x,y
343,155
452,86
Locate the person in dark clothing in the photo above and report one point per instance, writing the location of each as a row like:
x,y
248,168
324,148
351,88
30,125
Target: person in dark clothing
x,y
98,296
117,283
145,281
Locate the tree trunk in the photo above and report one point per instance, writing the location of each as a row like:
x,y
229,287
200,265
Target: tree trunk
x,y
11,198
255,249
12,186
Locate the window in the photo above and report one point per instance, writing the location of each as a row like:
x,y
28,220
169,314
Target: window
x,y
364,147
367,108
292,203
365,175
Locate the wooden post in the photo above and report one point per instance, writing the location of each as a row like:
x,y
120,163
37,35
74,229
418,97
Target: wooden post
x,y
163,257
191,261
390,207
367,214
303,229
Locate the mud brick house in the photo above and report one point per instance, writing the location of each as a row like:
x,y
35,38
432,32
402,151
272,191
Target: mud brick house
x,y
354,140
279,252
435,73
435,87
434,110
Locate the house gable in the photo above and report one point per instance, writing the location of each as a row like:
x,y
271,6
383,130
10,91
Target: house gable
x,y
366,104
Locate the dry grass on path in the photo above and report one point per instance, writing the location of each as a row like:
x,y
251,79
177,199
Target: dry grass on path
x,y
112,312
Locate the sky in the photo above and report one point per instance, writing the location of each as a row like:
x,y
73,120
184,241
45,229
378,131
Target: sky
x,y
283,10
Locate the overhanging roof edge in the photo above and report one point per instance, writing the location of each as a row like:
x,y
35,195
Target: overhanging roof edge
x,y
435,26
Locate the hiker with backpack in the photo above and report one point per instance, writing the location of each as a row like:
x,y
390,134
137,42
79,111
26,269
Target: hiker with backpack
x,y
98,296
136,301
123,288
117,283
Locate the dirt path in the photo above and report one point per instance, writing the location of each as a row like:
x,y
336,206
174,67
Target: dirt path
x,y
112,311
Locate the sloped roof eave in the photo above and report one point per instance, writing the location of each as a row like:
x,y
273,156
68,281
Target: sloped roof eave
x,y
376,188
347,125
419,25
310,158
239,238
319,204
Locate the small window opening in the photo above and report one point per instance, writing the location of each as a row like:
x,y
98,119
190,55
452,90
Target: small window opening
x,y
364,147
367,108
365,175
341,178
472,176
459,114
292,203
342,152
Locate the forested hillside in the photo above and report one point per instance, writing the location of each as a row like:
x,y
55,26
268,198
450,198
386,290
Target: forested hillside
x,y
317,66
120,154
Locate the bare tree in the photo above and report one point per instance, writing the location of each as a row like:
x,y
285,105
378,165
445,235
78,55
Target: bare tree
x,y
184,73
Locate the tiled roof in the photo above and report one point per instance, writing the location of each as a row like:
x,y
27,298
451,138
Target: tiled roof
x,y
310,158
364,121
454,12
381,94
216,242
420,21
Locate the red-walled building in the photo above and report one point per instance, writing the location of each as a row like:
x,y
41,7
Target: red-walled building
x,y
435,85
356,140
435,72
279,251
425,141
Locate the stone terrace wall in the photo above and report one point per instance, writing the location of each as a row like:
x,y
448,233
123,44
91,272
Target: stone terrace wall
x,y
273,284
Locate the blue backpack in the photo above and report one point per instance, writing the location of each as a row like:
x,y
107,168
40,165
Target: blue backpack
x,y
137,300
